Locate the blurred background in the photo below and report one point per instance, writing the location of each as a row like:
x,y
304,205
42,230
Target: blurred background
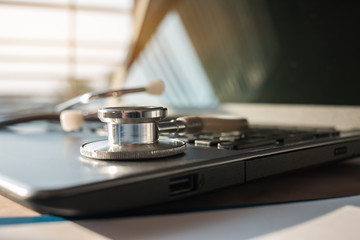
x,y
58,49
206,51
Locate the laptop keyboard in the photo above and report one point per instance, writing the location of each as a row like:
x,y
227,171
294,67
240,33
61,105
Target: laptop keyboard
x,y
259,136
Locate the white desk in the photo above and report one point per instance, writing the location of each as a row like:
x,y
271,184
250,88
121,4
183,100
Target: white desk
x,y
234,223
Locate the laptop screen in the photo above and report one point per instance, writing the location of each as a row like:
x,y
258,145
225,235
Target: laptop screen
x,y
211,51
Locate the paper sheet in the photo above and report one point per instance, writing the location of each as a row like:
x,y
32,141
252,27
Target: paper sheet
x,y
49,230
342,223
321,219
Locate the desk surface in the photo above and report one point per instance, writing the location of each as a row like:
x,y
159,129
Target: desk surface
x,y
11,209
296,220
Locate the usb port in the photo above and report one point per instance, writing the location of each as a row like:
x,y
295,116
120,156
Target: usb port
x,y
184,184
340,150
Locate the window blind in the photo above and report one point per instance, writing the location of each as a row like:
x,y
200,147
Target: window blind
x,y
53,50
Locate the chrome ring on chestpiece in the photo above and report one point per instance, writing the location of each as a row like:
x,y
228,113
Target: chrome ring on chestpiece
x,y
132,125
132,134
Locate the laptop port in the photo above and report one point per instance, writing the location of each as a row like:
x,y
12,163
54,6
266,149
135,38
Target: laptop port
x,y
340,151
182,185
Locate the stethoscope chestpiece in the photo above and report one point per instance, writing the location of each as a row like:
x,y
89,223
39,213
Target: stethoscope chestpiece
x,y
132,134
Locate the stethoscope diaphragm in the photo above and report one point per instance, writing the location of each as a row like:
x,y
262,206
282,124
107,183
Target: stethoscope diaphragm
x,y
162,148
132,134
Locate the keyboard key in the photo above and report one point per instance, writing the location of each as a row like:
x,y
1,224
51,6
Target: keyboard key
x,y
248,143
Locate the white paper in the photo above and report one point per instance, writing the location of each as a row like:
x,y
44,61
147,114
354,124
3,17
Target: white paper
x,y
342,223
48,230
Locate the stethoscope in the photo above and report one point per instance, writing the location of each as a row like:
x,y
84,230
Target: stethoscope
x,y
73,119
133,132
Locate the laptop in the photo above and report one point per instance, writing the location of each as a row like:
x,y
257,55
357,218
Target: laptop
x,y
290,68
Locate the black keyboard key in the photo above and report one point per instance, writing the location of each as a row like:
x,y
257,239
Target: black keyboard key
x,y
246,143
208,143
294,138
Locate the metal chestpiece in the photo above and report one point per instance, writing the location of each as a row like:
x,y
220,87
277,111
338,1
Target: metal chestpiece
x,y
132,134
136,125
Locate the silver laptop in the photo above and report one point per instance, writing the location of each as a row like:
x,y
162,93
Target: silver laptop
x,y
267,61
